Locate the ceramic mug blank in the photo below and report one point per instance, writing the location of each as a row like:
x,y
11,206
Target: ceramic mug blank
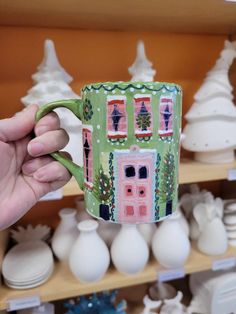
x,y
131,133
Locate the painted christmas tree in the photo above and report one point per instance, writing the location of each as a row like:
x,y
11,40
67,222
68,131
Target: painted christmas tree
x,y
102,186
50,84
168,181
141,70
211,121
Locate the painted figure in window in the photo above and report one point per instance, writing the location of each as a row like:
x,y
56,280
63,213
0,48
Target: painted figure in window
x,y
166,116
86,152
116,115
88,157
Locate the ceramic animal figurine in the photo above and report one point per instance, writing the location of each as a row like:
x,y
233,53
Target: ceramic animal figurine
x,y
213,114
213,237
131,133
167,254
150,305
174,306
89,258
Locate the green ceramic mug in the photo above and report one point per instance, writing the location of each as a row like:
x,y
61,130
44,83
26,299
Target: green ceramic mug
x,y
131,134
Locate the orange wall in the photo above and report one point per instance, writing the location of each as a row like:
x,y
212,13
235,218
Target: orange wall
x,y
91,56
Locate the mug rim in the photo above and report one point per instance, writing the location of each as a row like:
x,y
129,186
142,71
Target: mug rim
x,y
138,85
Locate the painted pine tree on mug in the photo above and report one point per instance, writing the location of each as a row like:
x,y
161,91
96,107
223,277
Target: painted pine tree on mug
x,y
131,135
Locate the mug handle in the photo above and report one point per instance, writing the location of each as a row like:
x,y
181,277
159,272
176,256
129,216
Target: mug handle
x,y
74,105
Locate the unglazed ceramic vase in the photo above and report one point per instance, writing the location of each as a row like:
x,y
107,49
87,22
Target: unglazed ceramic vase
x,y
170,244
129,251
82,214
89,258
65,235
108,231
147,231
131,134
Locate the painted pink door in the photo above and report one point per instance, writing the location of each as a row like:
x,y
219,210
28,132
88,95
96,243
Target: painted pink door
x,y
135,196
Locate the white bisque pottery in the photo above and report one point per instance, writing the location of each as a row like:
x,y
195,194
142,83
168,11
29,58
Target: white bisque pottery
x,y
82,214
89,258
183,221
147,231
170,244
129,251
213,237
108,231
66,234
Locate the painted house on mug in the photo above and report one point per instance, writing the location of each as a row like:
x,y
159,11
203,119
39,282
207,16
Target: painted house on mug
x,y
131,146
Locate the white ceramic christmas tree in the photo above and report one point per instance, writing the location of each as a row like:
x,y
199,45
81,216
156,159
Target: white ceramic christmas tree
x,y
141,70
51,83
211,128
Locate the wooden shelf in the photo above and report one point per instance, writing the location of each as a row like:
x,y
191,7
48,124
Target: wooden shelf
x,y
63,285
202,16
190,172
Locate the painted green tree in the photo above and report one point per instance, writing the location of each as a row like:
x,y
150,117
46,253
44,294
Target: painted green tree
x,y
102,186
167,186
143,118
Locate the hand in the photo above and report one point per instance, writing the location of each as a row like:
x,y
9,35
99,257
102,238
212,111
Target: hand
x,y
26,171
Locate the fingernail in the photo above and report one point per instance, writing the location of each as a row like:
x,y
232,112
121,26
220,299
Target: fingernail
x,y
35,148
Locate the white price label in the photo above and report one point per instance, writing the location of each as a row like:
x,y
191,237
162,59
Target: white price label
x,y
232,174
171,274
225,263
54,195
23,303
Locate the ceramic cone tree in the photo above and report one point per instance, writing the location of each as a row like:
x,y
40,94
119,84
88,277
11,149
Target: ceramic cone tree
x,y
141,70
50,84
211,121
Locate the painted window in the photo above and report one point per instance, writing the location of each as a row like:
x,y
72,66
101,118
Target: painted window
x,y
143,115
88,157
129,171
116,117
143,172
166,116
129,210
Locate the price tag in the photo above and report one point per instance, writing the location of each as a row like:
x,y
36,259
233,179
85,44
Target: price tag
x,y
171,274
54,195
232,174
225,263
23,303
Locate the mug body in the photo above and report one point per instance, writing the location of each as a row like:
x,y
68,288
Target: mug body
x,y
131,134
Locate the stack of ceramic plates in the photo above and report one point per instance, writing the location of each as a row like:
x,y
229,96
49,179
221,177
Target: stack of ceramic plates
x,y
230,222
27,265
